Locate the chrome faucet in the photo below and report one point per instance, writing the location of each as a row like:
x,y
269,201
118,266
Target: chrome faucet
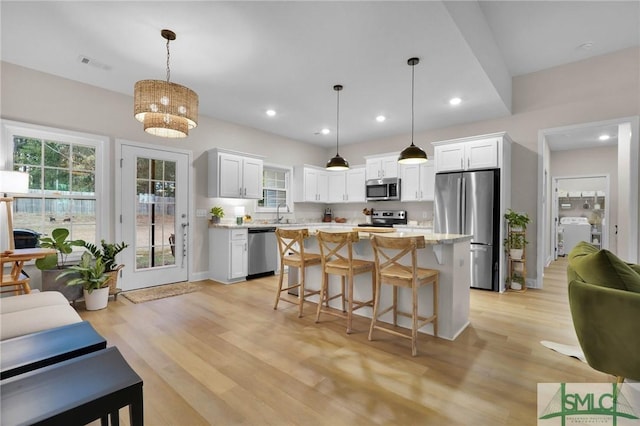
x,y
278,217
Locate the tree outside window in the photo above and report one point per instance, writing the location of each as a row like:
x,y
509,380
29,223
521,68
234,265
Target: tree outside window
x,y
62,186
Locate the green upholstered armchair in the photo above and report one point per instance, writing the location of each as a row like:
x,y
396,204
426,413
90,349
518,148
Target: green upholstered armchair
x,y
604,297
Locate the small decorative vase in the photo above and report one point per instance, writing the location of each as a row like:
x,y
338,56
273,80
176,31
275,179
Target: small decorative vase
x,y
97,299
215,219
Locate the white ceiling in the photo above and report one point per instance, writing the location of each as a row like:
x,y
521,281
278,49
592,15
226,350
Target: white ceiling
x,y
243,58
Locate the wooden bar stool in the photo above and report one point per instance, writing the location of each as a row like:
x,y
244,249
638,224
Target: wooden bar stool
x,y
337,263
389,251
292,254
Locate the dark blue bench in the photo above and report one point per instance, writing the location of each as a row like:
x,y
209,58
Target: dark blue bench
x,y
76,391
26,353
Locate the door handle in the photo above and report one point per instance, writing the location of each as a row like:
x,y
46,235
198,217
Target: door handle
x,y
184,226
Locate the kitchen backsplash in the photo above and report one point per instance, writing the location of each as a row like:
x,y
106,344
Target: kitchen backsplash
x,y
418,213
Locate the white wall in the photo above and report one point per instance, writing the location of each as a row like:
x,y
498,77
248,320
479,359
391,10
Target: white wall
x,y
559,96
44,99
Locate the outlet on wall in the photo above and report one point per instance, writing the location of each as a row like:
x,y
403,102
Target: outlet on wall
x,y
424,215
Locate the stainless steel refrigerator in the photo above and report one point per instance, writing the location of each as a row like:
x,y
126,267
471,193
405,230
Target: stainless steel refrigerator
x,y
468,203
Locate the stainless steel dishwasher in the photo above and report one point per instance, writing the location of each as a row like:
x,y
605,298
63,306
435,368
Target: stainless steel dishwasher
x,y
263,252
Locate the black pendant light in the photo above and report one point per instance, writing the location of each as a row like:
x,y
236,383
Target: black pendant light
x,y
337,162
412,154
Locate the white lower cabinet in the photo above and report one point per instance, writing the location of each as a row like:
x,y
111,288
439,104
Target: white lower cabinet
x,y
228,261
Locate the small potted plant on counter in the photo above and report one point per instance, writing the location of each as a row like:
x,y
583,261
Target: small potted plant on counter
x,y
91,276
217,213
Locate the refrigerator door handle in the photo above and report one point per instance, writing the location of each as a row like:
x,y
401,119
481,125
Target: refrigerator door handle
x,y
463,204
459,217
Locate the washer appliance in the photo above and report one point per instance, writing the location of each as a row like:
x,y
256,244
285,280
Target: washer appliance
x,y
574,230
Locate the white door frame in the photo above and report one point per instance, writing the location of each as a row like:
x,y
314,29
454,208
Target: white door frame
x,y
191,197
604,238
629,195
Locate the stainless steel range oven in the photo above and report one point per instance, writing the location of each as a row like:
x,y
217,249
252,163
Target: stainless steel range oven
x,y
387,218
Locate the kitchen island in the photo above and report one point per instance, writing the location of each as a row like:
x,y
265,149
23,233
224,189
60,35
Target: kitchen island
x,y
448,253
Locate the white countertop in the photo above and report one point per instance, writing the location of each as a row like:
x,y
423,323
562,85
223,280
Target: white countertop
x,y
401,230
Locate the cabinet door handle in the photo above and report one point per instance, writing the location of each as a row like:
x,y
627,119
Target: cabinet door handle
x,y
468,162
240,191
245,191
461,163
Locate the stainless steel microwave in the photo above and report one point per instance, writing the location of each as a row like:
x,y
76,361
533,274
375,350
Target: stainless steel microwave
x,y
383,189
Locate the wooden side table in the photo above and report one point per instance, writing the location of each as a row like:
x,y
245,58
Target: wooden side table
x,y
18,257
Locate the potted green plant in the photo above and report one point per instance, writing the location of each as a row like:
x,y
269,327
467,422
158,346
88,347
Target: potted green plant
x,y
516,240
53,264
517,221
90,274
217,213
107,252
515,243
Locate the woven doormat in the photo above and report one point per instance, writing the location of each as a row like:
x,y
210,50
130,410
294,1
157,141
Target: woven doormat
x,y
160,292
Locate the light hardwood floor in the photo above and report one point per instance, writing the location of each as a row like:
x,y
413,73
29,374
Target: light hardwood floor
x,y
223,356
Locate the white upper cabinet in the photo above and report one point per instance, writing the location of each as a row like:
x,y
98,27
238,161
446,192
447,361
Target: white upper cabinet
x,y
379,167
317,185
311,184
337,186
234,175
347,186
356,191
418,181
469,155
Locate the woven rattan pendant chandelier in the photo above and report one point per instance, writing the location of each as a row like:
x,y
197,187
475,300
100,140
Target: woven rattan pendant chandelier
x,y
412,154
168,110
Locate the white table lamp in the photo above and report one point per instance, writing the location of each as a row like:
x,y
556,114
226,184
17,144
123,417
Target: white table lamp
x,y
12,183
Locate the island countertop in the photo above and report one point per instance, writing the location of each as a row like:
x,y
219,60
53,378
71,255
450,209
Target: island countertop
x,y
429,238
398,232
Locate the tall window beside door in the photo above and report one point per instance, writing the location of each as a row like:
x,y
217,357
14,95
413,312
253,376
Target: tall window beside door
x,y
65,179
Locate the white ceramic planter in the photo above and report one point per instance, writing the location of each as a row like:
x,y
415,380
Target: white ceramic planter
x,y
97,299
516,253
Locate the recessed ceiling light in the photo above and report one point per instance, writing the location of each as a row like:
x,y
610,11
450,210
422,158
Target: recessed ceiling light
x,y
604,137
586,45
455,101
325,131
271,113
380,118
